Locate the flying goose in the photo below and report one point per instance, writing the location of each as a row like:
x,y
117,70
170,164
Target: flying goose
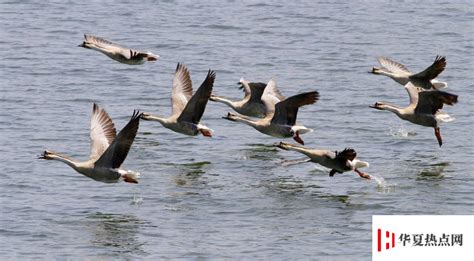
x,y
187,109
338,162
425,79
281,122
117,52
108,150
424,108
255,92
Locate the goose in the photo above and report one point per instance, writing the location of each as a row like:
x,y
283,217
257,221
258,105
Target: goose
x,y
338,162
187,109
117,52
425,79
255,92
424,108
281,122
108,150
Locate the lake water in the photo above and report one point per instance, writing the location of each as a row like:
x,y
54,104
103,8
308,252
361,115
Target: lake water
x,y
231,196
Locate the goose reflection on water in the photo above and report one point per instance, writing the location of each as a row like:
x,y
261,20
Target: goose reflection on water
x,y
190,174
116,233
433,171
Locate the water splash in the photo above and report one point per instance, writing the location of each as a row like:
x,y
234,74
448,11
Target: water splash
x,y
382,184
401,132
136,200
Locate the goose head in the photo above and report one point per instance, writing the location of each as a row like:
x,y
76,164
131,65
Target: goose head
x,y
145,116
375,70
379,106
85,45
49,155
230,116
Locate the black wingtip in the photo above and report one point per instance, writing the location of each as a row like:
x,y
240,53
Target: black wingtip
x,y
95,107
136,115
211,74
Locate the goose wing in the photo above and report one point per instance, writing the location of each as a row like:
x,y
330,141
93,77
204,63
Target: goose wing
x,y
182,89
286,110
347,154
413,93
111,47
116,153
197,104
433,71
272,89
430,102
393,66
256,91
102,131
244,84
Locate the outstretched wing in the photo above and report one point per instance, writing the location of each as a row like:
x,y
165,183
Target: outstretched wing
x,y
115,155
434,70
244,84
286,110
197,104
256,91
102,132
347,154
182,89
272,89
429,102
111,47
393,66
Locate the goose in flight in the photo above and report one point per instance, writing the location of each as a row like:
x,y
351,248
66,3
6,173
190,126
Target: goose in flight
x,y
253,102
117,52
108,150
338,162
424,108
281,122
187,109
425,79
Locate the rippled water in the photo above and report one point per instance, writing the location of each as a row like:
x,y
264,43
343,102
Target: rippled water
x,y
233,195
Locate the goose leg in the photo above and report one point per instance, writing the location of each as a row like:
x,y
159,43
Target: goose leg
x,y
362,174
438,136
298,139
128,179
206,133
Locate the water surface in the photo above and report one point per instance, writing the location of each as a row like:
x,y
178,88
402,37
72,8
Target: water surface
x,y
233,195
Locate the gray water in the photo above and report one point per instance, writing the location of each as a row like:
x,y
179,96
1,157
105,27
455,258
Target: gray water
x,y
233,195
